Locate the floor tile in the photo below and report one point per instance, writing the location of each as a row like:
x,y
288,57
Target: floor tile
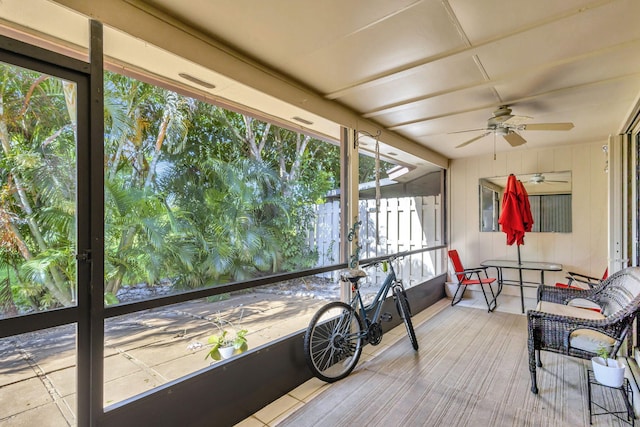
x,y
277,408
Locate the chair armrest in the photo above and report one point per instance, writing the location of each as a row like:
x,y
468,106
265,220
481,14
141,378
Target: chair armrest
x,y
555,328
473,270
561,295
582,278
591,299
470,272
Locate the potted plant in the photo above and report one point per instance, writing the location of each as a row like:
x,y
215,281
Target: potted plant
x,y
225,344
607,371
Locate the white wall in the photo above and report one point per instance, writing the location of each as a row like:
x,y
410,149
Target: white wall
x,y
584,250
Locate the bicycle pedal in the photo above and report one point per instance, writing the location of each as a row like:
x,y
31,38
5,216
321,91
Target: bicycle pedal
x,y
386,317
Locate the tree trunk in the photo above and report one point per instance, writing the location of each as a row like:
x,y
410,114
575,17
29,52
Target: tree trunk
x,y
57,286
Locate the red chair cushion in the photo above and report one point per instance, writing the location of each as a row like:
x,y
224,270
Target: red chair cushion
x,y
564,285
488,281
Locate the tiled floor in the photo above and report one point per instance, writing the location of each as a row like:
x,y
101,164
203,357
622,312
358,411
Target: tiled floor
x,y
278,410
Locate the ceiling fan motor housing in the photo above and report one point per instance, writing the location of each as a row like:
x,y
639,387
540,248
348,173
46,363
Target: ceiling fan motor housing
x,y
503,110
500,116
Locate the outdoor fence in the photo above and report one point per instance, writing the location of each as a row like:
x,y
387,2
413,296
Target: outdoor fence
x,y
401,224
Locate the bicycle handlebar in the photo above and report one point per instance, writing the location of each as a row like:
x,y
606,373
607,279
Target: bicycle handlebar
x,y
390,258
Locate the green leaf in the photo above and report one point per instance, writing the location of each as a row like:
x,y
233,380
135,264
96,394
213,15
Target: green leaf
x,y
110,299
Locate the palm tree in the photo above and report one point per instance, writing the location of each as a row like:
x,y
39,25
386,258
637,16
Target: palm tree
x,y
145,122
233,207
37,136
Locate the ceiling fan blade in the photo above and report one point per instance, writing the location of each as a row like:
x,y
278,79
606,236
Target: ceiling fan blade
x,y
468,130
473,139
514,139
515,121
549,126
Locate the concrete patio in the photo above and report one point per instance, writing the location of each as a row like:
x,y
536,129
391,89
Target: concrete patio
x,y
142,351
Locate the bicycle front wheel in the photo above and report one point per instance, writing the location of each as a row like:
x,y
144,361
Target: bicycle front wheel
x,y
402,304
333,341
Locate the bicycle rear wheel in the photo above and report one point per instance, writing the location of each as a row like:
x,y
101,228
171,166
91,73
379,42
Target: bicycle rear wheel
x,y
402,304
333,341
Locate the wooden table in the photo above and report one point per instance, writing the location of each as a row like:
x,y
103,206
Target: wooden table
x,y
501,264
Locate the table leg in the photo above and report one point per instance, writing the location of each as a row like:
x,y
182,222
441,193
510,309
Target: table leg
x,y
499,270
521,290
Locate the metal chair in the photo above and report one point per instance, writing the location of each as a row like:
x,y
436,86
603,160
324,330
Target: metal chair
x,y
557,327
471,276
581,282
586,281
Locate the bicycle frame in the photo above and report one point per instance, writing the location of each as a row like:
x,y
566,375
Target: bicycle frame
x,y
376,305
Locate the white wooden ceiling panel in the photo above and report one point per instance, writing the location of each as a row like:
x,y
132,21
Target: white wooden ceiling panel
x,y
420,32
489,19
572,76
276,31
616,23
437,106
442,126
435,77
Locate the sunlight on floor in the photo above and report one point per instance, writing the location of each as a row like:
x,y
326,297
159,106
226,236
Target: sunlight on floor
x,y
274,413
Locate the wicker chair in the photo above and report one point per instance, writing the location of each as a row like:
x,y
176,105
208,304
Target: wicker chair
x,y
558,327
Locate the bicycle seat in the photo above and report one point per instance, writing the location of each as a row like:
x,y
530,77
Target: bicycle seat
x,y
354,274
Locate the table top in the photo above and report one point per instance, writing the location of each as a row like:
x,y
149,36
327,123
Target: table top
x,y
523,265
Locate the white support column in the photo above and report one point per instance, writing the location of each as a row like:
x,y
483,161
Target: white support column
x,y
618,200
348,201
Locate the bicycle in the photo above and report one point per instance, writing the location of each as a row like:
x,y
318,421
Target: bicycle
x,y
334,338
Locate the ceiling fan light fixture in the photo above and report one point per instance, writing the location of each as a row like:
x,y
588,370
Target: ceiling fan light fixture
x,y
502,131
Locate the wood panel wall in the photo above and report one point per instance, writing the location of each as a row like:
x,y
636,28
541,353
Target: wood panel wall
x,y
583,250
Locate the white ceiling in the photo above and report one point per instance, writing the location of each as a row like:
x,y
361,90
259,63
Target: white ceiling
x,y
425,68
419,68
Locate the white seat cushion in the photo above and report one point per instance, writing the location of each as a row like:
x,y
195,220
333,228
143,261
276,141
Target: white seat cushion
x,y
567,310
584,339
590,340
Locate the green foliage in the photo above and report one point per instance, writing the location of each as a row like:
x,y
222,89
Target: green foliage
x,y
603,352
110,299
220,297
38,190
193,192
367,169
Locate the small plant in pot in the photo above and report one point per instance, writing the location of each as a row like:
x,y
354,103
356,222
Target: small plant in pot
x,y
225,344
607,371
228,342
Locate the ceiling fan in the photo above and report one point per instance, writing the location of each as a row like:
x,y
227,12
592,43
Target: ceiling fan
x,y
538,178
504,124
